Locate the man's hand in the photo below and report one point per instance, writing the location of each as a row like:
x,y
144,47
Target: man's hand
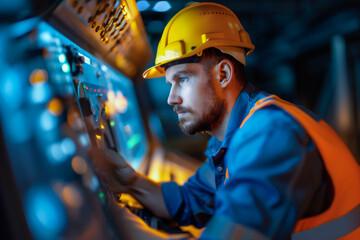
x,y
119,177
115,173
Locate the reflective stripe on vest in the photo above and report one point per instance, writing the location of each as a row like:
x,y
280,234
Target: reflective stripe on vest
x,y
342,218
334,229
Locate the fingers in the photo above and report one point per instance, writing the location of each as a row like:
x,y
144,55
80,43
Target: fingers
x,y
113,170
110,156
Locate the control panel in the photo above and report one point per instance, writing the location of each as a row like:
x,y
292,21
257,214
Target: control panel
x,y
111,30
58,100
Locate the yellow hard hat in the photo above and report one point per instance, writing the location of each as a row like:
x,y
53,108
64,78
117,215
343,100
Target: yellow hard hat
x,y
198,27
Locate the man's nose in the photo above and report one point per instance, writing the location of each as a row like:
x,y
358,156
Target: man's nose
x,y
174,98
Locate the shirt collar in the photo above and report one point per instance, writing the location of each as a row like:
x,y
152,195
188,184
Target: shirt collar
x,y
245,101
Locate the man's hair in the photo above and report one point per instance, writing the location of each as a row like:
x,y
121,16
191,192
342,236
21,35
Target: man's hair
x,y
209,58
212,56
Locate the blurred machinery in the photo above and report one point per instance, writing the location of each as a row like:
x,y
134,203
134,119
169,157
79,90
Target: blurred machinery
x,y
66,84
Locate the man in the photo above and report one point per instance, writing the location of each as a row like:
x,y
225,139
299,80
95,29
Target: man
x,y
272,170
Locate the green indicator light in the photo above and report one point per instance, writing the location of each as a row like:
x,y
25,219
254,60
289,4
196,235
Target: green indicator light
x,y
65,67
135,139
62,58
101,195
112,123
84,87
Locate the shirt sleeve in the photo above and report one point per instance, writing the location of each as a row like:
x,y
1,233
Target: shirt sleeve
x,y
192,203
274,172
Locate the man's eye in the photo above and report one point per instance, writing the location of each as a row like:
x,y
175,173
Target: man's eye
x,y
183,79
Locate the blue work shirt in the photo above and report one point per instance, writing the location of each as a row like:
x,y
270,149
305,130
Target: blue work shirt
x,y
276,176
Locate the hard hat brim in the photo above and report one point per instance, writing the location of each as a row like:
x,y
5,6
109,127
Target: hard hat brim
x,y
154,72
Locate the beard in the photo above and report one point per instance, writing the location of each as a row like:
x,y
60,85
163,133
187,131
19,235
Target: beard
x,y
210,120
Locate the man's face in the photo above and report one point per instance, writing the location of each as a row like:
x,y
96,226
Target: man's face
x,y
193,94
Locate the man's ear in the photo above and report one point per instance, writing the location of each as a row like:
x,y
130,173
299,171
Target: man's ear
x,y
225,72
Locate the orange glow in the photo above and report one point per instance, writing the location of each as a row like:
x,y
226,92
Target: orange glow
x,y
38,76
129,200
121,61
98,137
116,103
79,165
102,126
72,196
109,105
161,170
120,102
55,107
74,119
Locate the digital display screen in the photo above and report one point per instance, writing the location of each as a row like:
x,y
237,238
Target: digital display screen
x,y
111,111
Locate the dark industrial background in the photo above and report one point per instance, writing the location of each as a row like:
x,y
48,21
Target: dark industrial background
x,y
307,52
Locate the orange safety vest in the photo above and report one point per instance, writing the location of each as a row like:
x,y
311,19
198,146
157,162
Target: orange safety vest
x,y
342,219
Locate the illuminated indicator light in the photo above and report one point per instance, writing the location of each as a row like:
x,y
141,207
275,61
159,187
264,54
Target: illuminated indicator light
x,y
161,6
94,90
87,60
102,126
38,76
65,67
99,90
84,87
143,5
79,165
72,196
98,136
135,139
101,195
91,89
104,91
120,102
62,58
112,123
116,103
55,107
109,105
87,88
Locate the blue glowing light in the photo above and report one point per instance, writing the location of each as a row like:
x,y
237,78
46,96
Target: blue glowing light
x,y
161,6
45,212
20,28
48,121
143,5
40,93
84,140
11,89
45,37
68,147
65,67
59,152
62,58
55,153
